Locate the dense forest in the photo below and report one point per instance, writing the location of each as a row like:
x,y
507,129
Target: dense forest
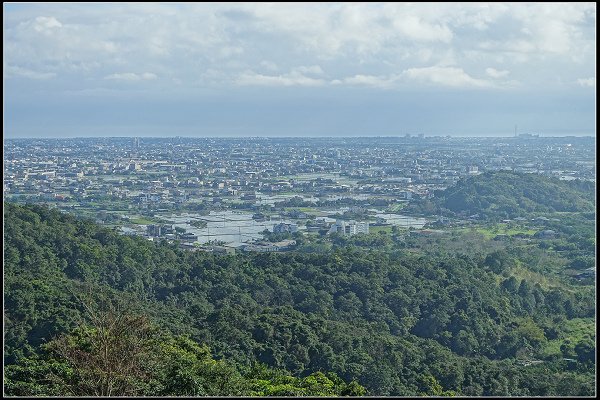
x,y
503,194
394,319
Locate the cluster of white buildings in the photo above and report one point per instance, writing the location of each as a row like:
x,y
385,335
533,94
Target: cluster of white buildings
x,y
349,228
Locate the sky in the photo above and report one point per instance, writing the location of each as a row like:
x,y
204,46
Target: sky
x,y
299,69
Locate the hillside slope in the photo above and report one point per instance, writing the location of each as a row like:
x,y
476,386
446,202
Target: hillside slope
x,y
502,194
393,321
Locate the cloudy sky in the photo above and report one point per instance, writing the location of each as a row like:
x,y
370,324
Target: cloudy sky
x,y
313,69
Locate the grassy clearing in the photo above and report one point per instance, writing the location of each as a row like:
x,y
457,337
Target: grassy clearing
x,y
377,229
545,281
307,209
500,229
141,221
573,330
396,207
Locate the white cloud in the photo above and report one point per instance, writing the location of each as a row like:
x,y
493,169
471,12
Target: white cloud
x,y
382,82
313,69
44,24
131,76
229,51
356,43
554,26
437,76
269,65
294,78
413,27
445,76
424,55
587,82
496,74
148,76
546,29
13,70
298,76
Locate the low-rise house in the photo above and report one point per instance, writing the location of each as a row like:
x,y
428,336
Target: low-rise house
x,y
188,237
223,250
285,228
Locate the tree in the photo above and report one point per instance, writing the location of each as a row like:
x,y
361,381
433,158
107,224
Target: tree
x,y
109,357
499,261
125,355
510,284
586,351
431,387
384,316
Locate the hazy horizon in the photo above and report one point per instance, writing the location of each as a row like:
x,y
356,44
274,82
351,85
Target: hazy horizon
x,y
296,137
299,70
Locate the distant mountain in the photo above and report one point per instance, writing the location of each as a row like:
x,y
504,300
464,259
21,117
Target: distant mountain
x,y
505,194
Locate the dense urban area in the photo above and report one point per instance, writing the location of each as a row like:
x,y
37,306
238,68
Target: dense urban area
x,y
229,191
411,265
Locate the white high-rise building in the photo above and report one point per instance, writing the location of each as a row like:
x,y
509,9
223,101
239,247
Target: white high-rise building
x,y
349,228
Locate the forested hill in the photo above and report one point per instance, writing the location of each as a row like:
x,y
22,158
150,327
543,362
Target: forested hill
x,y
76,306
397,322
504,194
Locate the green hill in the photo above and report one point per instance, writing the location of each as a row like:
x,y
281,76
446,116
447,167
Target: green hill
x,y
398,323
498,195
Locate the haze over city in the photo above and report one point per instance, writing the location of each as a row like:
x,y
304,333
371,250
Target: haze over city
x,y
334,69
